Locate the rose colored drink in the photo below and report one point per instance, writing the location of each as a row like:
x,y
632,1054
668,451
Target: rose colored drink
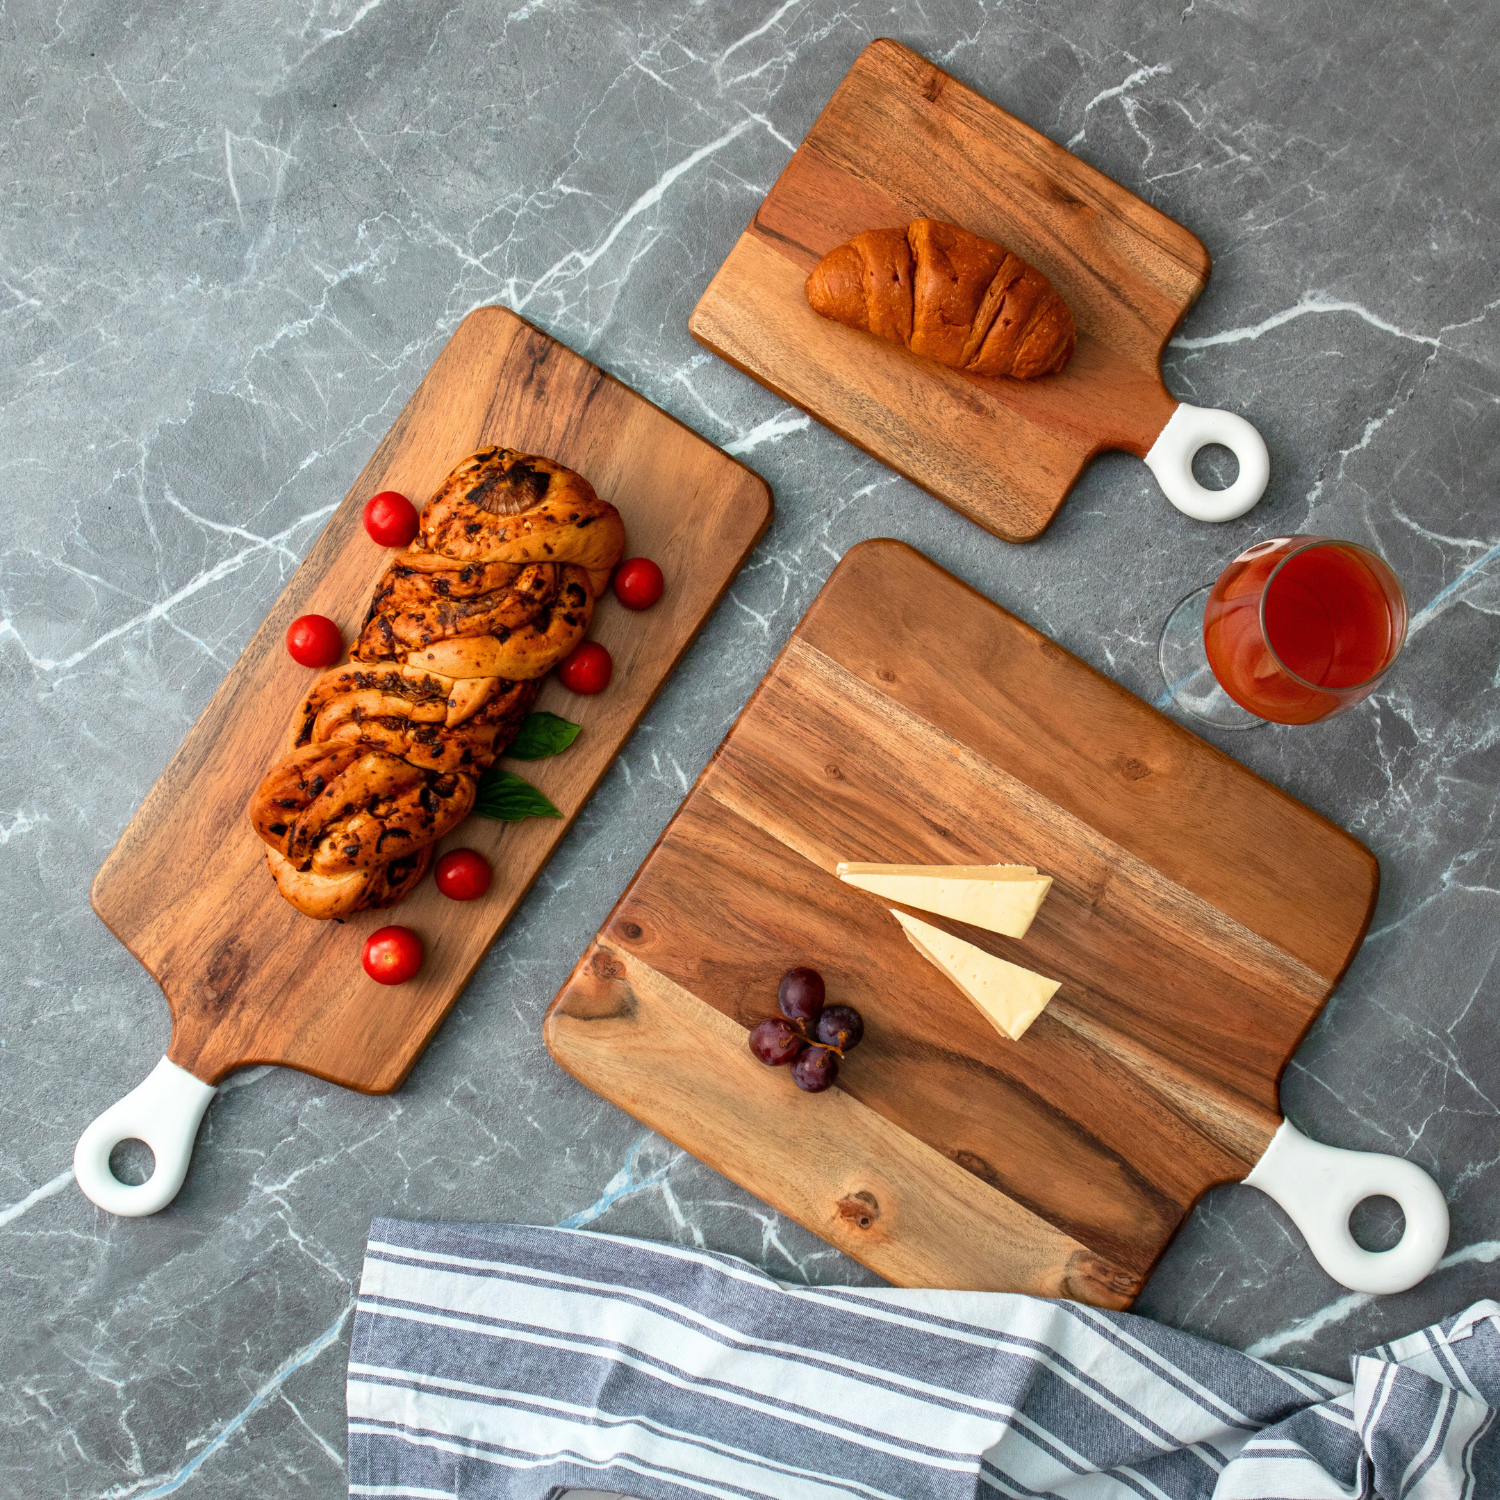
x,y
1302,628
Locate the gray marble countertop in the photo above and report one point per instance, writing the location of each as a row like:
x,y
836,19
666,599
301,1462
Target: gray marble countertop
x,y
233,238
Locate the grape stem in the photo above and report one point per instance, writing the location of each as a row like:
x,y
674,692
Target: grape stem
x,y
800,1027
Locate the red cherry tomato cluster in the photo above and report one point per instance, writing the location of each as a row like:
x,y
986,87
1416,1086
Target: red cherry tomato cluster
x,y
588,669
392,955
314,641
391,519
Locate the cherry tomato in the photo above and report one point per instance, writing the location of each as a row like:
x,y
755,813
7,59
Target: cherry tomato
x,y
587,669
463,875
392,955
314,641
638,583
391,519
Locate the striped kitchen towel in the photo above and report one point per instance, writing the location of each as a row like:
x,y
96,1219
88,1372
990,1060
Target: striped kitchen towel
x,y
496,1360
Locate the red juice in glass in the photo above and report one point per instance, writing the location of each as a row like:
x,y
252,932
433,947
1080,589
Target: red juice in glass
x,y
1303,627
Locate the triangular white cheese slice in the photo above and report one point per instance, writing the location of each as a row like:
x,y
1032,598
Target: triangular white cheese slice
x,y
1010,997
999,898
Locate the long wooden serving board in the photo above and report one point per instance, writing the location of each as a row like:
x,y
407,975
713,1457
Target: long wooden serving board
x,y
1198,921
901,140
186,889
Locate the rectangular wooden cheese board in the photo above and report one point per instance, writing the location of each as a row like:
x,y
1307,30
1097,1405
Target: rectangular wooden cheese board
x,y
899,140
1198,921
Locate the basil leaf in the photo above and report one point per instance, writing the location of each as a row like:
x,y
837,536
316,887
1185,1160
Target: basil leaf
x,y
508,798
542,734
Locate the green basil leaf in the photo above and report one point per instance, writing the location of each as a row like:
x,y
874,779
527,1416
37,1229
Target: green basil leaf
x,y
508,798
542,734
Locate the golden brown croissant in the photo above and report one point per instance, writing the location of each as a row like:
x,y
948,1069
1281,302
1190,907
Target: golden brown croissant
x,y
943,292
384,753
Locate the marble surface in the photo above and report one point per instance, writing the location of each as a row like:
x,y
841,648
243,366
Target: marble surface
x,y
232,239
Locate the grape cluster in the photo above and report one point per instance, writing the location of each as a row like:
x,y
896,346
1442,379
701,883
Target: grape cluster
x,y
809,1035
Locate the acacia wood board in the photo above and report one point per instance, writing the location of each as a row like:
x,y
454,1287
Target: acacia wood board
x,y
249,979
899,140
1198,920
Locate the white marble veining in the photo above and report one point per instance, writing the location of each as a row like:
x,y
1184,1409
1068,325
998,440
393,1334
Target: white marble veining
x,y
232,239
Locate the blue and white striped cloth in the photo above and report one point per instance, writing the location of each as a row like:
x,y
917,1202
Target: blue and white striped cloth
x,y
507,1361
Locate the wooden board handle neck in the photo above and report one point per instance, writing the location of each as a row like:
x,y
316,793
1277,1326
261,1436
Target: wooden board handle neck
x,y
164,1111
1190,428
1320,1185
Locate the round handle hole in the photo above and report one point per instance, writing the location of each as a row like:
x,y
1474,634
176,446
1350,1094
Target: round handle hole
x,y
132,1162
1377,1223
1215,467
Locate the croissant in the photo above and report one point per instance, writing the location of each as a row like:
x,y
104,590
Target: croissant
x,y
383,754
943,292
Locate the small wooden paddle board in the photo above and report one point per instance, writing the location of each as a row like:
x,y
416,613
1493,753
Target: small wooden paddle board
x,y
900,140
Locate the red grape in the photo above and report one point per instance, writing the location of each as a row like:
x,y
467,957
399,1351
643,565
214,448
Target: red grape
x,y
392,955
638,583
314,641
587,669
800,995
775,1042
815,1070
391,519
840,1026
462,874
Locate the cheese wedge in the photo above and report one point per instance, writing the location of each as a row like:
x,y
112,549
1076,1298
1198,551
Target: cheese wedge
x,y
999,898
1010,997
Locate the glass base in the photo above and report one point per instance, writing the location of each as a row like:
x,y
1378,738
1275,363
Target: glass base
x,y
1191,684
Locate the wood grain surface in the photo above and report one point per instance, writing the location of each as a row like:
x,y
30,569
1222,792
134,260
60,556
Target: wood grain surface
x,y
901,140
1198,920
249,979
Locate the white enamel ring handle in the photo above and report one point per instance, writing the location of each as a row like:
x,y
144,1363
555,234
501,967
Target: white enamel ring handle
x,y
164,1112
1319,1186
1190,428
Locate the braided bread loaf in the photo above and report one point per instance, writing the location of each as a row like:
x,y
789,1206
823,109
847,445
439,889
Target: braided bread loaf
x,y
940,291
383,755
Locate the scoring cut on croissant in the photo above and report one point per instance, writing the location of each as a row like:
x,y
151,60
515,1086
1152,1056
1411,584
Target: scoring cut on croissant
x,y
383,754
953,296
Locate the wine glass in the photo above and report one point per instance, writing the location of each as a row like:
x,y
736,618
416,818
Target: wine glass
x,y
1296,630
